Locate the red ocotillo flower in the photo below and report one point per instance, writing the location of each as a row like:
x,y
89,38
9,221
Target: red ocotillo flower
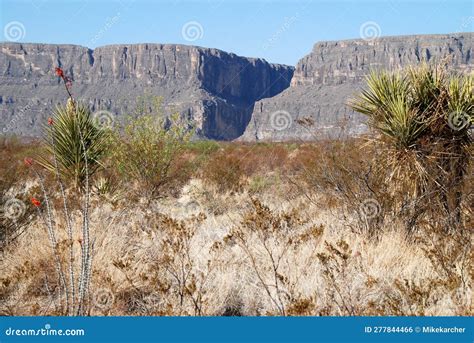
x,y
35,202
59,72
50,121
28,161
67,81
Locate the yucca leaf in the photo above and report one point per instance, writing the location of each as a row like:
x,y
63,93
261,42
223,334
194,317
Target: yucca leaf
x,y
63,140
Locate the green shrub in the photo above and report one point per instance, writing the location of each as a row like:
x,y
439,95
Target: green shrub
x,y
149,150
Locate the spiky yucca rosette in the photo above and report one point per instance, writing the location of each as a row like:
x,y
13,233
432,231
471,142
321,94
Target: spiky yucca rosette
x,y
63,140
422,117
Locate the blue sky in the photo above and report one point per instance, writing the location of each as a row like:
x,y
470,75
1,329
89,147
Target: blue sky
x,y
280,31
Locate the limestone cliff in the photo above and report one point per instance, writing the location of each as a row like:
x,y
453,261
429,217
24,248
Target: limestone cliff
x,y
217,90
314,106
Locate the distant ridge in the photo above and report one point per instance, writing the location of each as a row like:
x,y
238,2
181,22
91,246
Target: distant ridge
x,y
315,105
214,88
227,96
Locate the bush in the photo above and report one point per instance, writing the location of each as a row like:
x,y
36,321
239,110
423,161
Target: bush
x,y
199,152
342,177
149,151
230,167
14,214
267,238
224,169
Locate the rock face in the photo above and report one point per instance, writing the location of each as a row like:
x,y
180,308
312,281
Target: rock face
x,y
226,95
217,90
315,105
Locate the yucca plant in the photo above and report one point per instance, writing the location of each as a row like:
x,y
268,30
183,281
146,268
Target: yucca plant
x,y
422,116
72,130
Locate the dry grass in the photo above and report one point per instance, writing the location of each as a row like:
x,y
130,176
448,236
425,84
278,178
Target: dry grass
x,y
292,239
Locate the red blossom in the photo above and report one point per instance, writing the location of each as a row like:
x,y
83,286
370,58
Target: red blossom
x,y
59,72
35,202
28,161
50,121
67,80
